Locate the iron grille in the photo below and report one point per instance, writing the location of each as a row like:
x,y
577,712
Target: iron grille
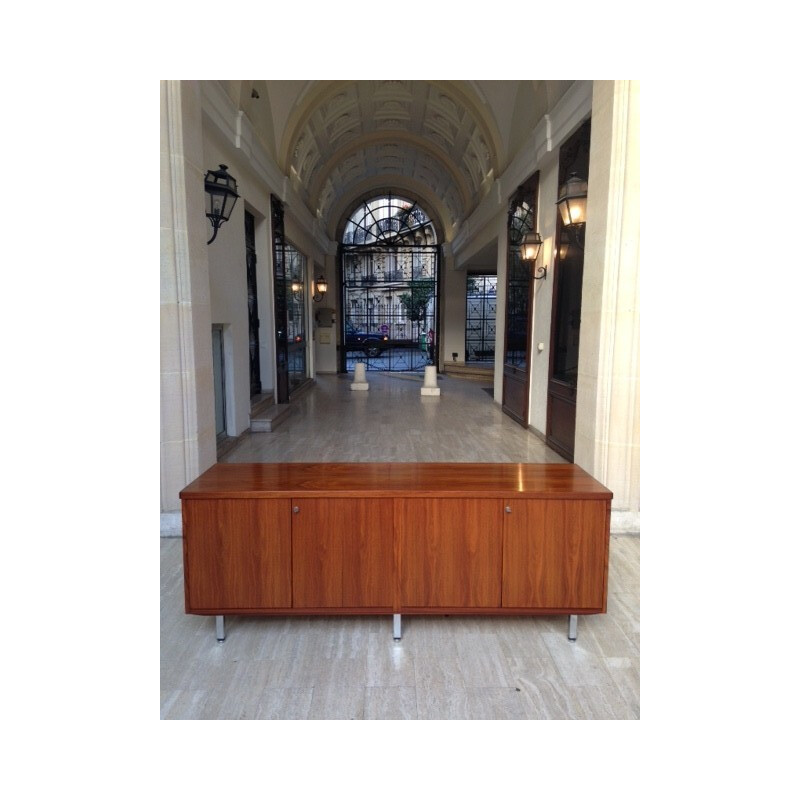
x,y
390,300
481,326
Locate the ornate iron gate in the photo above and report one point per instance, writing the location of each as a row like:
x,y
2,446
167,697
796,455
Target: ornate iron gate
x,y
390,307
389,268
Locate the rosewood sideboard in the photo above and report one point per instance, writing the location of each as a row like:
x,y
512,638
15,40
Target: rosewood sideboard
x,y
394,539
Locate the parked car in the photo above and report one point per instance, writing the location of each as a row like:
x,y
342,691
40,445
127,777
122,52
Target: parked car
x,y
371,344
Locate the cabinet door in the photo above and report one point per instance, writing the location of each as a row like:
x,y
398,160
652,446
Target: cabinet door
x,y
450,552
555,554
237,554
342,553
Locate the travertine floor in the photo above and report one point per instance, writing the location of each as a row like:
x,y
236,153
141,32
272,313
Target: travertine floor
x,y
444,667
393,422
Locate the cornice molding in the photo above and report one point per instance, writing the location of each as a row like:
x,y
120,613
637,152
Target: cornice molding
x,y
235,127
547,136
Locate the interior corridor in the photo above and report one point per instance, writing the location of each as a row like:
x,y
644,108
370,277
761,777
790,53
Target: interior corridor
x,y
443,667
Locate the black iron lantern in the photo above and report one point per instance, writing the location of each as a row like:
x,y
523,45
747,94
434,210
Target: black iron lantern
x,y
531,244
572,200
529,251
320,286
221,197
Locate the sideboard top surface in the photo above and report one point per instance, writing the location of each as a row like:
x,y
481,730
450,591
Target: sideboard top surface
x,y
392,479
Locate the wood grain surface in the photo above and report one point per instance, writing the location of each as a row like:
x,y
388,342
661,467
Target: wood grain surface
x,y
342,553
449,552
555,554
452,479
237,554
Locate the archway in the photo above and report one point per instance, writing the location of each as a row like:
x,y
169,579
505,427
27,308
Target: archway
x,y
389,275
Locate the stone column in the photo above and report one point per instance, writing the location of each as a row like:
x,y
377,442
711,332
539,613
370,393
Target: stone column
x,y
607,423
188,433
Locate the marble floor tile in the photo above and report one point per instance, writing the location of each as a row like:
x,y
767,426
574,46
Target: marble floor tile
x,y
497,703
610,639
390,664
578,663
625,674
521,637
439,702
183,704
482,662
600,702
472,704
543,688
333,700
393,702
283,704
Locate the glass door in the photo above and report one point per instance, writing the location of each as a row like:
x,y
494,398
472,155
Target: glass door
x,y
296,324
519,287
562,384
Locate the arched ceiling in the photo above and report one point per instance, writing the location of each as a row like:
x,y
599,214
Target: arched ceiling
x,y
338,139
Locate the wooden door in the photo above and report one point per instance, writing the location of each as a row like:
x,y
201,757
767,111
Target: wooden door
x,y
237,554
562,384
555,554
449,552
342,553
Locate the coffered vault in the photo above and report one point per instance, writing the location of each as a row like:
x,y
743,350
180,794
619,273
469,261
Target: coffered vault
x,y
444,142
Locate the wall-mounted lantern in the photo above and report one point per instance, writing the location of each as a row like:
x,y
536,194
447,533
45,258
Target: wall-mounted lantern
x,y
572,205
320,287
529,250
221,197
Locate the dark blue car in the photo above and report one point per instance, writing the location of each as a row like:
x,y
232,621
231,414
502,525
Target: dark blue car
x,y
371,344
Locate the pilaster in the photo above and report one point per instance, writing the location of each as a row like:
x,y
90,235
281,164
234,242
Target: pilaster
x,y
188,439
607,424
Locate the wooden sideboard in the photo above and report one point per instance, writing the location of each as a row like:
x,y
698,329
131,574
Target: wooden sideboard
x,y
395,538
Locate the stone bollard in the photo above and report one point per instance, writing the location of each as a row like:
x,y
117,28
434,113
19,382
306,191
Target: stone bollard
x,y
359,383
430,387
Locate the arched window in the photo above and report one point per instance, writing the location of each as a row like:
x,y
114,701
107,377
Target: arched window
x,y
389,263
389,220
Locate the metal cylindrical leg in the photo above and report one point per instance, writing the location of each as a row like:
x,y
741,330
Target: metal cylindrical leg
x,y
220,629
573,627
397,626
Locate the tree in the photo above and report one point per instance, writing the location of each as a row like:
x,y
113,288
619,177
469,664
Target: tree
x,y
416,301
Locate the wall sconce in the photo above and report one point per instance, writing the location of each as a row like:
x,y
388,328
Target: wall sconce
x,y
320,287
221,197
529,250
563,247
572,204
297,287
